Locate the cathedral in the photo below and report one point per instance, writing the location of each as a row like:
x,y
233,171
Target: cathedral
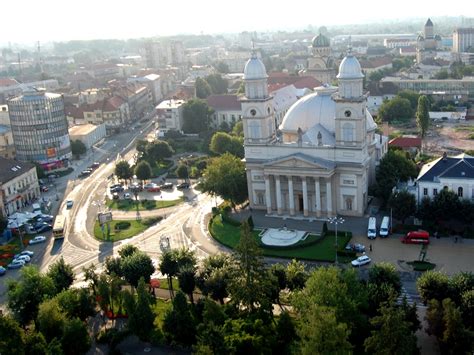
x,y
321,64
427,43
321,159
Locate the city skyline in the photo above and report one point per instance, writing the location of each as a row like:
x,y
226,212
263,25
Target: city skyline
x,y
51,21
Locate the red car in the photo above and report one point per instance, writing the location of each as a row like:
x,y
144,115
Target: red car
x,y
152,187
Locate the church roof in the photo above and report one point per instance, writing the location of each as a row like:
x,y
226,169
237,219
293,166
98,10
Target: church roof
x,y
350,68
321,41
429,23
254,69
457,167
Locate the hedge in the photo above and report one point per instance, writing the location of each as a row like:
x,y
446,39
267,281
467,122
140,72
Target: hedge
x,y
121,225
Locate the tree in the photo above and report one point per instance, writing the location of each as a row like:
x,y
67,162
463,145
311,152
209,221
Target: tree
x,y
136,266
187,281
75,339
222,67
143,171
123,170
422,115
392,333
61,274
222,142
140,321
210,335
320,332
26,294
396,109
214,276
35,343
203,89
127,250
196,116
285,333
169,267
433,285
77,303
225,176
158,151
51,319
248,286
182,172
385,273
442,74
78,148
296,275
12,340
238,129
178,323
217,84
403,205
411,96
395,166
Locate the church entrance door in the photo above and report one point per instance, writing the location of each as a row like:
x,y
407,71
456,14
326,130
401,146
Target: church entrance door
x,y
300,203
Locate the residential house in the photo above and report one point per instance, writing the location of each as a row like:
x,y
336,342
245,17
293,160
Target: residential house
x,y
227,110
170,116
409,144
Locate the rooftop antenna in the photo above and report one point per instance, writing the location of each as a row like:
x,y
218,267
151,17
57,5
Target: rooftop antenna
x,y
349,46
40,62
254,53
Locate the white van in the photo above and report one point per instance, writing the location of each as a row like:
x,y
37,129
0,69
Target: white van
x,y
385,227
372,228
36,207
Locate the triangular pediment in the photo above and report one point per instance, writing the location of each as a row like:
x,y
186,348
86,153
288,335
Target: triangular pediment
x,y
300,161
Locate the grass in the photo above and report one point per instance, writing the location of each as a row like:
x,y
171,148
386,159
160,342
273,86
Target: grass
x,y
421,265
159,308
314,248
143,205
165,285
464,128
471,136
136,227
161,168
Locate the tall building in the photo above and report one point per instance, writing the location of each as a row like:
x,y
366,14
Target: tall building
x,y
463,39
40,128
153,54
427,43
322,158
321,64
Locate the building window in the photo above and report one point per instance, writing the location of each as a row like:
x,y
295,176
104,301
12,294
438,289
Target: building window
x,y
425,192
347,132
349,203
435,192
260,199
460,191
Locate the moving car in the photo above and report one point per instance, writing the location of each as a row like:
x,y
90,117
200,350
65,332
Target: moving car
x,y
182,186
16,264
37,239
152,187
69,204
361,260
360,248
2,271
167,186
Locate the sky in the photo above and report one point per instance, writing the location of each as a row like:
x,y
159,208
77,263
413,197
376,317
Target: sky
x,y
59,20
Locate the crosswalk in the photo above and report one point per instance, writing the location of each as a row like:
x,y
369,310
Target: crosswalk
x,y
410,298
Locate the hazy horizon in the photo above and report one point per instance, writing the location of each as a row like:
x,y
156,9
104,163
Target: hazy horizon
x,y
50,20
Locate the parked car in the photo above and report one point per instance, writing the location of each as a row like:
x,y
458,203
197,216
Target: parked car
x,y
127,196
2,271
182,186
44,228
38,239
116,188
360,248
152,187
25,258
44,218
85,173
44,188
115,196
167,186
361,260
94,165
69,204
27,252
135,187
16,264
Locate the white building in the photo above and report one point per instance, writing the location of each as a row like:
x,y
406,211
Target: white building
x,y
88,134
463,39
227,108
452,173
170,115
152,82
323,158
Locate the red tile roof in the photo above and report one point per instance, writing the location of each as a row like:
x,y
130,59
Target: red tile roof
x,y
300,82
8,82
406,142
376,62
224,102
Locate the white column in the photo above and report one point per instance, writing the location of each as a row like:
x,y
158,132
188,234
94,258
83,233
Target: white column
x,y
278,194
329,197
317,188
268,197
305,197
291,195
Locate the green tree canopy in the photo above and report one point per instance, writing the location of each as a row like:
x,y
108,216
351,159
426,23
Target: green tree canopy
x,y
136,266
127,250
78,148
158,151
396,109
196,116
169,267
141,317
123,170
217,83
77,303
403,205
214,276
75,339
225,176
182,172
61,274
422,115
222,142
50,319
178,325
433,285
411,96
238,129
203,89
12,339
143,171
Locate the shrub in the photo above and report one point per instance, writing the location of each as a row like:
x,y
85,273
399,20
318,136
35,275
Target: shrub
x,y
151,220
215,211
348,253
121,225
231,221
325,229
250,222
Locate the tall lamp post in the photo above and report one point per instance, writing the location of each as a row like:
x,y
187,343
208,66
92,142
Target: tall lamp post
x,y
336,220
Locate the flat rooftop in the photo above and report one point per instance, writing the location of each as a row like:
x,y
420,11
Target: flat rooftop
x,y
81,129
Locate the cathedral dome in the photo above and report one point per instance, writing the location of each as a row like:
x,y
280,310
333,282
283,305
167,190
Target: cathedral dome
x,y
254,69
321,41
311,110
350,68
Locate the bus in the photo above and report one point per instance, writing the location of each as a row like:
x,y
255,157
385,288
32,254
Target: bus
x,y
59,227
416,237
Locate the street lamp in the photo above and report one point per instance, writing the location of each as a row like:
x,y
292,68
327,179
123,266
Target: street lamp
x,y
336,220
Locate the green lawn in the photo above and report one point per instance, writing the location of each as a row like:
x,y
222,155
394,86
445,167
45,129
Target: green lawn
x,y
160,168
165,286
159,308
421,265
135,228
143,205
314,248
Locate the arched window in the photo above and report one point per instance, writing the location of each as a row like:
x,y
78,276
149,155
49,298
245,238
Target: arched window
x,y
347,132
349,203
460,191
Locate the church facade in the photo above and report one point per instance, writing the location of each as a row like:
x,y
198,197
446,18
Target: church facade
x,y
321,159
321,64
